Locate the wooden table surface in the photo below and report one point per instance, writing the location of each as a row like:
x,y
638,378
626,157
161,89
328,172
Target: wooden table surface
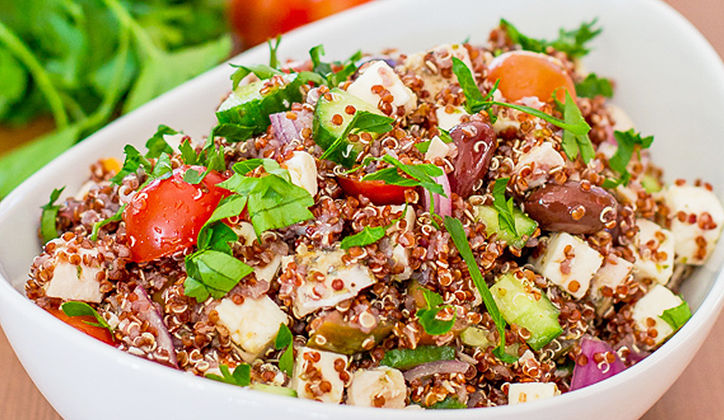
x,y
697,394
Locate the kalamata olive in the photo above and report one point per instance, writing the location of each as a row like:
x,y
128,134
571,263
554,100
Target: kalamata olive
x,y
574,207
476,143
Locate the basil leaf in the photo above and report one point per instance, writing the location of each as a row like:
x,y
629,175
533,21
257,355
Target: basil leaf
x,y
457,233
677,316
217,237
286,362
117,217
156,145
284,337
74,308
593,86
214,273
48,228
367,236
246,166
428,316
506,221
276,203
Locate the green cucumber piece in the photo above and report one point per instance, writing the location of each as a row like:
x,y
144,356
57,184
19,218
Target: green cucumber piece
x,y
273,389
527,306
651,184
404,359
326,132
523,224
247,106
476,337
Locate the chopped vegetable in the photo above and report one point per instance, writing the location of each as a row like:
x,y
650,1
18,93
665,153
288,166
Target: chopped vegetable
x,y
409,358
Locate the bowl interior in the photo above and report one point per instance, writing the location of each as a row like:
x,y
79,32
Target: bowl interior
x,y
669,80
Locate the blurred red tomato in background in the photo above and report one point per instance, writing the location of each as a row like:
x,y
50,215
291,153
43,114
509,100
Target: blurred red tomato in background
x,y
255,21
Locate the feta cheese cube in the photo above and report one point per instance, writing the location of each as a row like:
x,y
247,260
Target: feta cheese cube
x,y
614,272
253,324
569,262
379,73
648,310
449,116
437,149
76,274
320,375
541,159
531,391
303,171
654,252
269,271
696,217
246,233
329,281
377,387
433,78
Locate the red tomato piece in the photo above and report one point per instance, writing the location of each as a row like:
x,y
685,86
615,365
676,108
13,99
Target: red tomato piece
x,y
377,191
525,73
79,323
167,214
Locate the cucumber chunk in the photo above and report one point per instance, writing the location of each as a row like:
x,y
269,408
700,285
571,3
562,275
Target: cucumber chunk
x,y
528,307
326,130
249,107
523,224
273,389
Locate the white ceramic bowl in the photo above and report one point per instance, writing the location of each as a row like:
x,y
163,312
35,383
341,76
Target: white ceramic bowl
x,y
669,79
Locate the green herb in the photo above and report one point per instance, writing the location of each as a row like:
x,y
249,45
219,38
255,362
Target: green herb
x,y
362,121
273,59
324,69
117,217
74,308
133,161
48,229
240,377
261,71
409,358
677,316
84,62
449,403
428,315
575,143
214,273
188,154
284,340
417,175
506,221
162,169
194,177
593,86
573,123
445,135
455,228
156,145
233,133
628,142
368,235
571,42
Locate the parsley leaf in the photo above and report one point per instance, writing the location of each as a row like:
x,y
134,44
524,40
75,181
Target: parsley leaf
x,y
571,42
628,142
574,143
285,340
457,233
325,69
240,377
474,99
48,229
368,235
259,70
74,308
506,221
117,217
212,272
133,161
233,133
273,59
418,175
677,316
593,86
428,315
188,154
156,145
362,121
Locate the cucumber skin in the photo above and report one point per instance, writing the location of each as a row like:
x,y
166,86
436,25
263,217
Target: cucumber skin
x,y
523,224
519,307
254,112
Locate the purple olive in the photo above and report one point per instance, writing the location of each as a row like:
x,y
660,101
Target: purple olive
x,y
476,143
574,207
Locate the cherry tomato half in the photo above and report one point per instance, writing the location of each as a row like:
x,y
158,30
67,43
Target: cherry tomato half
x,y
525,73
378,192
255,21
79,323
166,215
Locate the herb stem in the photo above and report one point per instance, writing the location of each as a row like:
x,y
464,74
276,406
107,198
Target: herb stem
x,y
42,78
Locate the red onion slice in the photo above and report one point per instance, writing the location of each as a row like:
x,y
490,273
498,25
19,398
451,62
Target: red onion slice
x,y
590,372
146,311
286,129
428,369
442,205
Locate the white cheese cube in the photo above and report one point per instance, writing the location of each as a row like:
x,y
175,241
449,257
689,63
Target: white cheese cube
x,y
246,233
401,256
379,73
75,276
329,281
410,218
434,80
654,252
269,271
541,160
320,375
569,262
377,387
303,171
696,216
254,324
615,271
449,116
437,149
531,391
648,310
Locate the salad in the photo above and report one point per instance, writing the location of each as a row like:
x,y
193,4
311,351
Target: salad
x,y
466,226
